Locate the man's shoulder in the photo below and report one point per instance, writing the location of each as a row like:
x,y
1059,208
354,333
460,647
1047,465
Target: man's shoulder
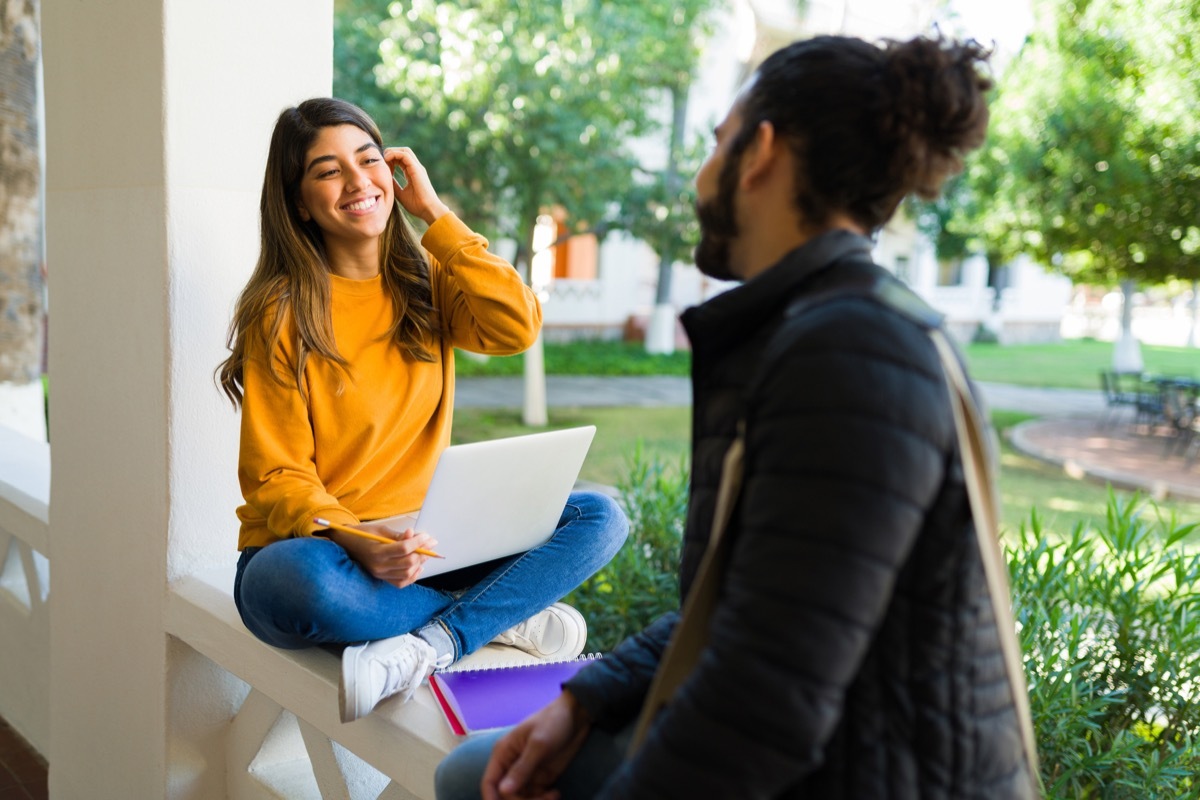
x,y
851,303
862,280
848,325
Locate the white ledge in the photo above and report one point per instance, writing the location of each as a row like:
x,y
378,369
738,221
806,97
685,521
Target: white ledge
x,y
25,489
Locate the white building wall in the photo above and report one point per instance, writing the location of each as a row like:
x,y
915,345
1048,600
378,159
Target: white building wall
x,y
968,304
600,308
1158,318
1035,294
906,253
868,19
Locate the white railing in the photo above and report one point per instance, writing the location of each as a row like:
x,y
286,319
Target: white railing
x,y
285,738
25,586
284,741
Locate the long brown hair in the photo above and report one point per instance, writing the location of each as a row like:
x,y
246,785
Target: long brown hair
x,y
291,277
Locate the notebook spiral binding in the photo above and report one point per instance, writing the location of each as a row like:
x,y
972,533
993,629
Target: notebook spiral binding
x,y
519,664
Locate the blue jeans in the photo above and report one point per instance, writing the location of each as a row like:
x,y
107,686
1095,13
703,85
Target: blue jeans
x,y
459,774
307,591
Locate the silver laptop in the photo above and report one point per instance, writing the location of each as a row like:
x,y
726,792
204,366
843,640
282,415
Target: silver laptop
x,y
493,499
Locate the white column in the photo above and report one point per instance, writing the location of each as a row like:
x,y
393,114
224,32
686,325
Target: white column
x,y
158,119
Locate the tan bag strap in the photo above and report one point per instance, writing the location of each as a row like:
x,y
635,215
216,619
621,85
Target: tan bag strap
x,y
981,492
691,632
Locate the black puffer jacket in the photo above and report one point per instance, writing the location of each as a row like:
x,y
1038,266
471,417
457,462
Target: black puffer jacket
x,y
853,652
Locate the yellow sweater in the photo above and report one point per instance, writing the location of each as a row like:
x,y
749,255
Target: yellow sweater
x,y
365,447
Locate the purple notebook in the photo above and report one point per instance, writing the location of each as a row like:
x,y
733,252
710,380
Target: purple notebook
x,y
476,700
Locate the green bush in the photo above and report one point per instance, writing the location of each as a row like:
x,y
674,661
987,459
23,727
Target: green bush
x,y
1109,622
984,335
1110,628
641,583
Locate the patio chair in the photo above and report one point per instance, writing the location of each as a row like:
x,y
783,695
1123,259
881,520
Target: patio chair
x,y
1115,399
1179,410
1149,403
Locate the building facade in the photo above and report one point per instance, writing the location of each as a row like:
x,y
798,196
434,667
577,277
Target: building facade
x,y
609,290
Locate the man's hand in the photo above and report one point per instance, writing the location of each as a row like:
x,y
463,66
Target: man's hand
x,y
398,563
527,762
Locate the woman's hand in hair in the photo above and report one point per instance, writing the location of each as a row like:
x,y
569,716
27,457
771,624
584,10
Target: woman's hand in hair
x,y
417,195
398,563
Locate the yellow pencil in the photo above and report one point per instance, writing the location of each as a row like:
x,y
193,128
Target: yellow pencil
x,y
368,535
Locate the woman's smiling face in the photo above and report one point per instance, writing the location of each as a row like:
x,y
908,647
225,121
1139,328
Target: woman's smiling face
x,y
346,187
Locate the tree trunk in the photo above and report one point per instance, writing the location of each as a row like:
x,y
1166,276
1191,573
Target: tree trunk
x,y
22,285
1191,339
1127,353
533,410
660,332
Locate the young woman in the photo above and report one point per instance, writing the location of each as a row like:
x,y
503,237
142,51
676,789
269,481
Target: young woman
x,y
342,361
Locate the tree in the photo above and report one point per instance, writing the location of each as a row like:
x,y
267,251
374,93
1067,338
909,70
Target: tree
x,y
1093,161
514,107
22,287
658,210
519,107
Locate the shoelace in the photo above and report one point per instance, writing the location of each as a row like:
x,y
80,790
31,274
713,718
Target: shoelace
x,y
525,630
401,670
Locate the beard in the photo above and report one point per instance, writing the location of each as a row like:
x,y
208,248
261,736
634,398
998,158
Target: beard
x,y
718,227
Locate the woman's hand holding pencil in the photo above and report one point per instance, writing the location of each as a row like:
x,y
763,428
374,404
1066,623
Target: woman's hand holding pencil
x,y
368,535
399,562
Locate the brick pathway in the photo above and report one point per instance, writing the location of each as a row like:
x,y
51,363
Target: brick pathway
x,y
671,390
1123,454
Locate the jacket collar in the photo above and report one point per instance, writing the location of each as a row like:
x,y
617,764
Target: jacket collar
x,y
731,316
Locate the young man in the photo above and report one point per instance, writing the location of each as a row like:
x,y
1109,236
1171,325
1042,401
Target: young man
x,y
852,652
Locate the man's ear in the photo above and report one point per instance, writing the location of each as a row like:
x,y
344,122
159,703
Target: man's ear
x,y
760,156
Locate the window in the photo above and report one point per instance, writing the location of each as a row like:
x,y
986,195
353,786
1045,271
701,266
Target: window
x,y
949,273
558,254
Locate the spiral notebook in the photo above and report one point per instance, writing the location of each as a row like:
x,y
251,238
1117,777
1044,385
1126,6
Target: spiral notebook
x,y
496,697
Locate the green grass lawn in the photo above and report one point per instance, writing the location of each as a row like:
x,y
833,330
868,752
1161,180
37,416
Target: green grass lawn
x,y
663,432
1025,482
1074,364
583,358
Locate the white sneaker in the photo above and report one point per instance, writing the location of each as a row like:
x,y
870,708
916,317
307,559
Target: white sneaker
x,y
558,633
377,670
